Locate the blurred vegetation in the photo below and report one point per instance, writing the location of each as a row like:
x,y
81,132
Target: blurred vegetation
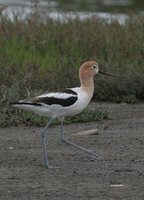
x,y
112,6
38,56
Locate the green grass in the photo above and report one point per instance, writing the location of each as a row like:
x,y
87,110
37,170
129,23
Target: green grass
x,y
15,117
36,57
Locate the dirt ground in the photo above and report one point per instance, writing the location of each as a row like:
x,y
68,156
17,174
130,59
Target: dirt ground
x,y
119,176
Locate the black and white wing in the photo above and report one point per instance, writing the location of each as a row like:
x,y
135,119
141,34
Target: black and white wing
x,y
64,98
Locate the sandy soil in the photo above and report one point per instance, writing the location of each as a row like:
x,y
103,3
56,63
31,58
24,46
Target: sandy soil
x,y
119,176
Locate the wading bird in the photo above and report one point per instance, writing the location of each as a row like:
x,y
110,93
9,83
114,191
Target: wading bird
x,y
68,102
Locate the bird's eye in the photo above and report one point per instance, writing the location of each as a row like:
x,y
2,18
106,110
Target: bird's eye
x,y
94,66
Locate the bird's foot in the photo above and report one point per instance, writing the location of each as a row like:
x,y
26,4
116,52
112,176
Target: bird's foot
x,y
95,156
48,166
91,153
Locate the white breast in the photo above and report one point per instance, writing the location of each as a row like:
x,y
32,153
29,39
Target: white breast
x,y
82,102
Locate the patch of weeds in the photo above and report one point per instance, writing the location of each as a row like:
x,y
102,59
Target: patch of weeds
x,y
17,116
88,115
125,99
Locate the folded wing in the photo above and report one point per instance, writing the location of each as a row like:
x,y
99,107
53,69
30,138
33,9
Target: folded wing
x,y
64,98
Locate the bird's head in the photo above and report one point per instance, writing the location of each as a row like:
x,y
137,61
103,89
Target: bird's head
x,y
91,68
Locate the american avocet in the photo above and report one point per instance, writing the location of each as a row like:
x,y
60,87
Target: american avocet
x,y
68,102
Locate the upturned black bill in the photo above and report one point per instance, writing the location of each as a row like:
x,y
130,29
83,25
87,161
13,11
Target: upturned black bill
x,y
107,74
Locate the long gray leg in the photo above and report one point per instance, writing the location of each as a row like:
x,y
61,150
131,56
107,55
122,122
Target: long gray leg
x,y
46,161
63,139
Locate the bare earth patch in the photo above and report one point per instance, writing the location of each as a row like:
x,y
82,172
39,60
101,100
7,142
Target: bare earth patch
x,y
120,175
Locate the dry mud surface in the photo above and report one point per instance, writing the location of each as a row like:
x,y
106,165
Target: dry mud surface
x,y
119,176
